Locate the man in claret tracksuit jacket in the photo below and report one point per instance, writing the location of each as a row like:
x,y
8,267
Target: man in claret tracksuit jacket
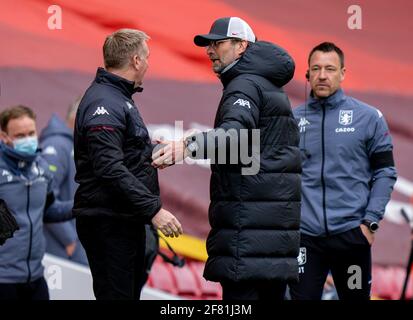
x,y
348,177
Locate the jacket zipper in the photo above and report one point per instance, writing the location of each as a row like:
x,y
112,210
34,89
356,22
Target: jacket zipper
x,y
323,184
31,232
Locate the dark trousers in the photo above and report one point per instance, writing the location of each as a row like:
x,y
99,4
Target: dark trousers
x,y
35,290
347,255
115,249
253,290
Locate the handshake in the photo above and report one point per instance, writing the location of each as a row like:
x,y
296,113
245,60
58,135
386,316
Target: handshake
x,y
167,153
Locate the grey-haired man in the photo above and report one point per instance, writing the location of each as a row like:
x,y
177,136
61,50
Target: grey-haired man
x,y
254,215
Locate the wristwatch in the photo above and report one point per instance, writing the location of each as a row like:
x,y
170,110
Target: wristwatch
x,y
373,226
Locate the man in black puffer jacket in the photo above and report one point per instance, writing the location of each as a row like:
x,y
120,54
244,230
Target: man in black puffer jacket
x,y
255,216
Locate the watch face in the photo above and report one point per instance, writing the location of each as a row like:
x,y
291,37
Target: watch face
x,y
374,226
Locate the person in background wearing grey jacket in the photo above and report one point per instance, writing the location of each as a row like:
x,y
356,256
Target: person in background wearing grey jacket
x,y
26,187
56,141
348,176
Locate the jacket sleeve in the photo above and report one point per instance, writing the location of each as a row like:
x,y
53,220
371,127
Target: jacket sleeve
x,y
106,154
239,115
57,211
58,162
63,232
380,151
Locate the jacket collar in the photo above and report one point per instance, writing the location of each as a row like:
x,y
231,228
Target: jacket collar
x,y
17,162
228,73
330,102
125,86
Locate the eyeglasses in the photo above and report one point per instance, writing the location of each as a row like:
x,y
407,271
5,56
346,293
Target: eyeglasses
x,y
214,44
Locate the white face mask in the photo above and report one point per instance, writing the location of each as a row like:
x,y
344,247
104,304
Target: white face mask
x,y
27,145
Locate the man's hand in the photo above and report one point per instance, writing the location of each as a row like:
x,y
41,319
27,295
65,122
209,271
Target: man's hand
x,y
70,249
169,154
167,223
5,139
367,233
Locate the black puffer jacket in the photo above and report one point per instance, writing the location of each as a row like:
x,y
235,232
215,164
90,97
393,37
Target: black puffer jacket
x,y
255,219
113,154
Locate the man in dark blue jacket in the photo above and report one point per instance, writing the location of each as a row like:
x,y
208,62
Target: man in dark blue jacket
x,y
26,187
118,189
56,141
348,177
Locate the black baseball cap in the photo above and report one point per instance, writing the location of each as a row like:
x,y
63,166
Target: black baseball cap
x,y
226,28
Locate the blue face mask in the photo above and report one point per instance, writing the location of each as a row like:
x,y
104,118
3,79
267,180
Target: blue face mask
x,y
27,145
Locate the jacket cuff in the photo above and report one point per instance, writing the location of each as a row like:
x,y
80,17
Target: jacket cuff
x,y
156,209
372,216
63,232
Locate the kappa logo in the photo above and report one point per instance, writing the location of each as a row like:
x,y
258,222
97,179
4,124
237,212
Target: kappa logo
x,y
303,122
345,117
100,111
302,257
243,103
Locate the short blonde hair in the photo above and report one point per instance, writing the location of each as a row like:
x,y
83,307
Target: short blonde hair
x,y
121,46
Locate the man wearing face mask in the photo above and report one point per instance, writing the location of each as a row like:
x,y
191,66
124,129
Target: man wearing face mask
x,y
26,187
118,189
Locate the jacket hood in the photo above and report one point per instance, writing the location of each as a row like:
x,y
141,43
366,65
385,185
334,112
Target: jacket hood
x,y
263,59
54,127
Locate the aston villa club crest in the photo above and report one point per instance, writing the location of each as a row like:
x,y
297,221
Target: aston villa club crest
x,y
346,117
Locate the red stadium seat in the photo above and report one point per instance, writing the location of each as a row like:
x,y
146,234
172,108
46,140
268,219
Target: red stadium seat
x,y
161,277
185,282
381,286
210,290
